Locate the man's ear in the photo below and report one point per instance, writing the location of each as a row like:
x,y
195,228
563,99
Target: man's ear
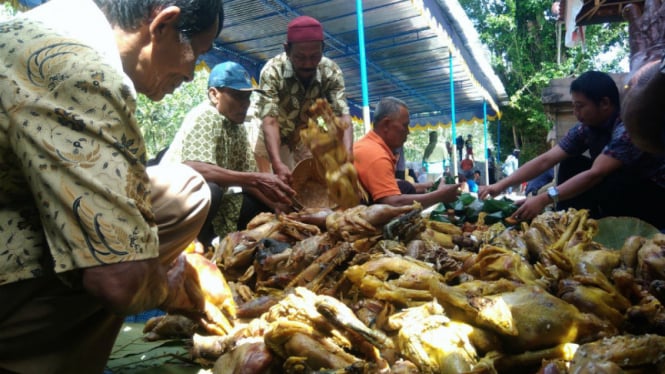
x,y
605,103
163,20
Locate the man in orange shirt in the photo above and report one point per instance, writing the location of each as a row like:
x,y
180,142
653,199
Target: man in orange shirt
x,y
375,161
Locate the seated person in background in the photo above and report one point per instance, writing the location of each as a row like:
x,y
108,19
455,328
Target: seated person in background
x,y
470,181
476,177
619,173
213,141
375,161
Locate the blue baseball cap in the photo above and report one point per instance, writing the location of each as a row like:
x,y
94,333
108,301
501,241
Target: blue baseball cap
x,y
232,75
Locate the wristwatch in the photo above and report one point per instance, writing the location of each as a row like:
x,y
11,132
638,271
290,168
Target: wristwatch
x,y
553,193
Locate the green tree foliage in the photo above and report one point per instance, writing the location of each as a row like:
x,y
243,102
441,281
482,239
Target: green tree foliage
x,y
159,121
522,38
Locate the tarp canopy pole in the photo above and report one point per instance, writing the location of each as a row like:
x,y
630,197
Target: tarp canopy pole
x,y
485,142
363,65
452,114
498,140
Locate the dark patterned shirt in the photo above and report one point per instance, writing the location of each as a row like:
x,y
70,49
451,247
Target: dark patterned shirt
x,y
642,164
581,138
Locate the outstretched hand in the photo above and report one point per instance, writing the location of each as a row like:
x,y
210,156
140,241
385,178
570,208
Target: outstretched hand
x,y
646,29
274,188
485,191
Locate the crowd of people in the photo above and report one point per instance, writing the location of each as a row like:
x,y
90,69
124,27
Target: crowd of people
x,y
93,234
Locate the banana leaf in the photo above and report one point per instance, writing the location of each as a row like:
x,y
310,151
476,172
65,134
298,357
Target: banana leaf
x,y
613,231
467,208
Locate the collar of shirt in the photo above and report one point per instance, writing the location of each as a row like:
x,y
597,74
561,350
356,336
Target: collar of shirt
x,y
373,136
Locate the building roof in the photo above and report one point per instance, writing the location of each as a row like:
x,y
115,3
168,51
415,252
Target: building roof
x,y
600,11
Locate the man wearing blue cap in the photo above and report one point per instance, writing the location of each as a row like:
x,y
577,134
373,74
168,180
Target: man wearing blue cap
x,y
213,141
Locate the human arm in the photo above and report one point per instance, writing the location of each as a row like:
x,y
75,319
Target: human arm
x,y
347,138
422,187
271,136
445,193
526,172
534,205
270,186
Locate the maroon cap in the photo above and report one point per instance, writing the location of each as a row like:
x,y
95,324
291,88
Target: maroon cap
x,y
304,29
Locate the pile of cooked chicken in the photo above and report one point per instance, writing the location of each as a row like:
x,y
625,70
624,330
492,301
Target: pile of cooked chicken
x,y
381,289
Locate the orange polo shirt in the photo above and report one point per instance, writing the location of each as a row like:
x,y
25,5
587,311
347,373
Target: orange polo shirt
x,y
375,165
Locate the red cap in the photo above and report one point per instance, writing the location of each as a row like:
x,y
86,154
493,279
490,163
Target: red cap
x,y
304,29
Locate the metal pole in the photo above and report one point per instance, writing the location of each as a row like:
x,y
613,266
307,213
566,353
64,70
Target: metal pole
x,y
498,141
453,125
363,65
485,141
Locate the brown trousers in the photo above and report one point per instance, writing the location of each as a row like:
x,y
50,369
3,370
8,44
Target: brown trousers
x,y
47,327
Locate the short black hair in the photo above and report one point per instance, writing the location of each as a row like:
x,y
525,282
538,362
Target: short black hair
x,y
196,16
596,85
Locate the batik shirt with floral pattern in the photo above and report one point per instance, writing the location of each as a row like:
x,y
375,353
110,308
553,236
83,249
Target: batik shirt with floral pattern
x,y
74,191
207,136
287,99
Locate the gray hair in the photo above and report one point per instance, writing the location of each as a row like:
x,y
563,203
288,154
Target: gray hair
x,y
196,16
386,107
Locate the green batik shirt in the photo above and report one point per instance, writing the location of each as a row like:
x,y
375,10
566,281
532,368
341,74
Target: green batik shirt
x,y
207,136
286,99
74,191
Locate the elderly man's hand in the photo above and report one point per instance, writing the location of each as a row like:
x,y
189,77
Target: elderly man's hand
x,y
274,188
283,172
646,27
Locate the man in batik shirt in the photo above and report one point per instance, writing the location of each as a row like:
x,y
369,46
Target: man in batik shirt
x,y
291,82
88,234
213,141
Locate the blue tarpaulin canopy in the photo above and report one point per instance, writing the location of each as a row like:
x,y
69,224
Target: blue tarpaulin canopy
x,y
409,46
414,50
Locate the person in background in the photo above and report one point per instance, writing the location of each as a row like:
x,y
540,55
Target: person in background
x,y
459,144
469,176
434,157
476,176
509,166
213,141
468,144
620,176
467,164
449,150
400,168
90,234
375,161
290,83
491,167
